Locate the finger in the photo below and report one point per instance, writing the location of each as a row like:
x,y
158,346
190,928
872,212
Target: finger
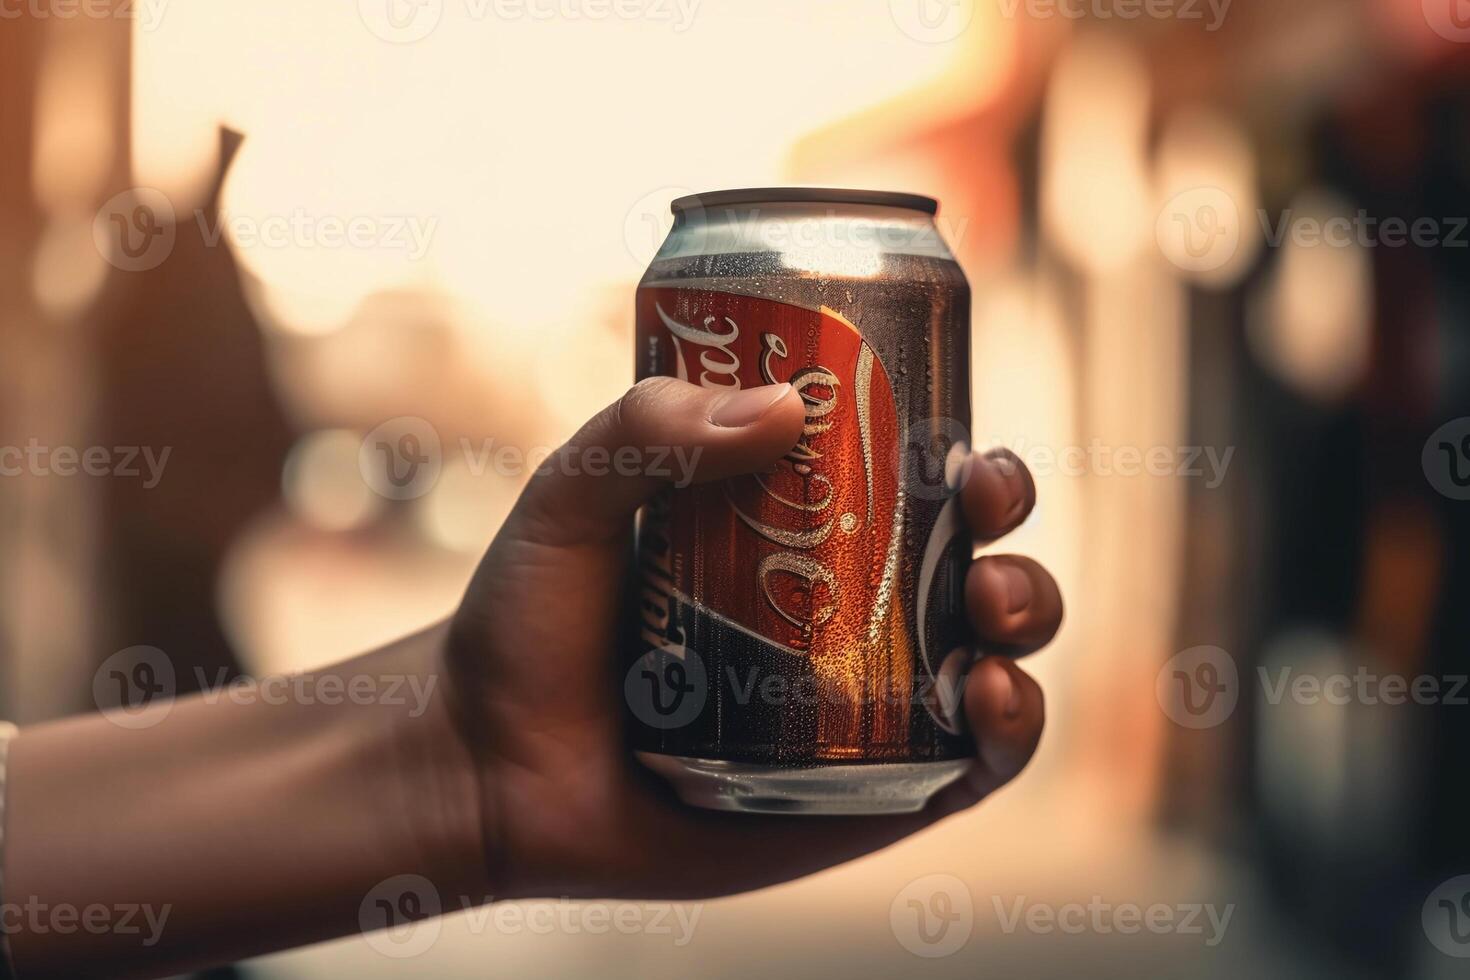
x,y
1013,603
998,494
661,431
1006,711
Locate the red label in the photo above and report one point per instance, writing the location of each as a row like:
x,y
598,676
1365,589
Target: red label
x,y
805,556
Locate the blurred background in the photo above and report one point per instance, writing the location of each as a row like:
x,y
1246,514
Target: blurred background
x,y
246,235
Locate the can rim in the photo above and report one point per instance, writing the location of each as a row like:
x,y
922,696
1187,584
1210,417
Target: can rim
x,y
805,195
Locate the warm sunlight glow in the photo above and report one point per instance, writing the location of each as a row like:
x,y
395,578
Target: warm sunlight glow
x,y
1095,195
74,142
411,141
1311,326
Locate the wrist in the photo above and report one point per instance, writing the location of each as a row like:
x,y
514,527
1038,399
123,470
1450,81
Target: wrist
x,y
438,805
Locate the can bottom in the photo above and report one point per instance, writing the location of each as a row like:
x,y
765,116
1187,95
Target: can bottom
x,y
882,787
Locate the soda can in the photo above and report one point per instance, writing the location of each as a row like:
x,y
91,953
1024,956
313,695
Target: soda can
x,y
800,633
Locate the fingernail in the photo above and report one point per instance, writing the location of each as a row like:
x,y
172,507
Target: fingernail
x,y
1013,691
1004,464
742,408
1013,703
1018,587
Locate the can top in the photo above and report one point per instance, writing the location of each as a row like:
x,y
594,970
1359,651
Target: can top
x,y
813,195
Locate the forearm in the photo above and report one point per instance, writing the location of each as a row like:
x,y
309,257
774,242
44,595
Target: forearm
x,y
245,825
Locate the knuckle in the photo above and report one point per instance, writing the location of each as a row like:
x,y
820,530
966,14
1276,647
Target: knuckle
x,y
632,412
646,393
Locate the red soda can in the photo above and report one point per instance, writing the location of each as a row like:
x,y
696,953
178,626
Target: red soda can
x,y
801,638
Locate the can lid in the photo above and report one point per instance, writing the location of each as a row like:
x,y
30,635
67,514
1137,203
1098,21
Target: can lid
x,y
813,195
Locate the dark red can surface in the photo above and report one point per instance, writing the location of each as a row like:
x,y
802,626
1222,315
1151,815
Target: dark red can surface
x,y
801,631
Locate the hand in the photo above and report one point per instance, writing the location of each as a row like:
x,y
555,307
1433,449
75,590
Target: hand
x,y
511,779
531,658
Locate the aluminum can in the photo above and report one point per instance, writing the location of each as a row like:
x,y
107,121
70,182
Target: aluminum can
x,y
800,633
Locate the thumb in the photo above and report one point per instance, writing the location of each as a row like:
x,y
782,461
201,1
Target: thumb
x,y
662,431
551,580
